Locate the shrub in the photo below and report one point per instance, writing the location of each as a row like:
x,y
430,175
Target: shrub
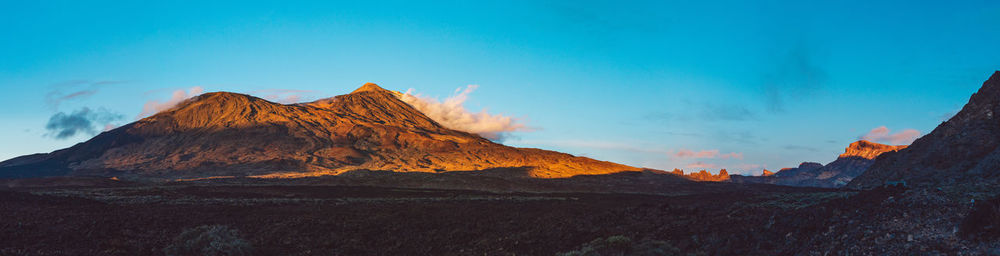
x,y
214,240
622,245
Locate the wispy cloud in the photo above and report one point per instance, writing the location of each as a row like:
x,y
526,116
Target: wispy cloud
x,y
606,145
707,112
54,98
797,147
732,155
155,106
701,165
748,168
883,135
74,90
685,153
742,137
82,121
286,96
453,115
712,153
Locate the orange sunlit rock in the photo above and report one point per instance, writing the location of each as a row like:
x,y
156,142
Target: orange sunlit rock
x,y
766,173
868,150
704,175
224,134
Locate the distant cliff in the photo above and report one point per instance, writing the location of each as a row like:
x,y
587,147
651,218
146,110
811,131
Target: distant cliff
x,y
853,162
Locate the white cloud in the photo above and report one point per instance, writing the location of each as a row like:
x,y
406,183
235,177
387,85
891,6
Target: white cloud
x,y
155,106
711,153
883,135
453,115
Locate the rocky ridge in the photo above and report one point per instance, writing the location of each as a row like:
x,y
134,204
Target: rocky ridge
x,y
963,151
857,157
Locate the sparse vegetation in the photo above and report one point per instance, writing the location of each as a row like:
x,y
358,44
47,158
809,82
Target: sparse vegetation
x,y
794,201
209,240
336,220
622,245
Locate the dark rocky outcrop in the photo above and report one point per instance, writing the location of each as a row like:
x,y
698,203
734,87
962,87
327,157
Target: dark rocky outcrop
x,y
965,150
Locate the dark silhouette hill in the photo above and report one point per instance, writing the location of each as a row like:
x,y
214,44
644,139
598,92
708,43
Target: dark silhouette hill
x,y
965,150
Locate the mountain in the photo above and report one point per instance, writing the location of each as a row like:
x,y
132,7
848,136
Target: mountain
x,y
963,150
786,176
805,170
857,158
230,134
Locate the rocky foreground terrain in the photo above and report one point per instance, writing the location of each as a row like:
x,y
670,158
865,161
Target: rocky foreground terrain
x,y
106,217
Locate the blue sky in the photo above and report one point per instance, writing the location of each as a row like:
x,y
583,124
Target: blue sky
x,y
658,84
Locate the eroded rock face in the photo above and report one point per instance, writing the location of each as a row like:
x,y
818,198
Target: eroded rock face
x,y
868,150
856,158
704,175
230,134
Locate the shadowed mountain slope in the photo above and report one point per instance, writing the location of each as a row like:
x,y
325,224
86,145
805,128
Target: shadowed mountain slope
x,y
963,150
230,134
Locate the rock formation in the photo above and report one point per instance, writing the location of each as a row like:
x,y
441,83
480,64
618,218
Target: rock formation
x,y
855,160
766,173
704,175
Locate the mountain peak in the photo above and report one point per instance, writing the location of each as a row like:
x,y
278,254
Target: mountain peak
x,y
868,150
218,97
215,110
218,101
369,87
